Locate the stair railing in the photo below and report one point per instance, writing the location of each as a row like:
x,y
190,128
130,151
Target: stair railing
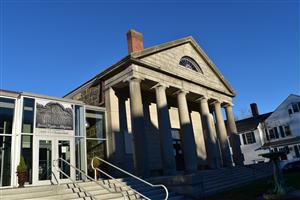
x,y
55,164
127,173
49,176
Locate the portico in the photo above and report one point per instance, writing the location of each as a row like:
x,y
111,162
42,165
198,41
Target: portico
x,y
164,95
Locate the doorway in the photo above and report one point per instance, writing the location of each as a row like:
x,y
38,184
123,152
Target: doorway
x,y
177,149
48,150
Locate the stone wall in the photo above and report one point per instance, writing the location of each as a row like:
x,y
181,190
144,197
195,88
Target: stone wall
x,y
91,95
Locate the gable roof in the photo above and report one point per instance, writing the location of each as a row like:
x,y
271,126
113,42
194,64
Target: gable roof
x,y
251,123
283,102
136,56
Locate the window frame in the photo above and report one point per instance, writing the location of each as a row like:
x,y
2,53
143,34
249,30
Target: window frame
x,y
194,66
287,130
295,107
249,138
271,134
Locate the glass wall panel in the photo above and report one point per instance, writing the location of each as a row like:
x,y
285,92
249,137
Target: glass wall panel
x,y
94,148
79,121
6,126
95,137
26,152
28,115
80,156
45,154
94,124
64,153
5,158
6,115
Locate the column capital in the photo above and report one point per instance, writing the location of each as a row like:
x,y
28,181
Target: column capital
x,y
133,78
227,104
215,101
160,85
201,99
180,91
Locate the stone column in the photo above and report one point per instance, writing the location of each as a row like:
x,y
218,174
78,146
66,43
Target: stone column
x,y
212,152
138,128
165,134
235,143
114,150
188,140
222,135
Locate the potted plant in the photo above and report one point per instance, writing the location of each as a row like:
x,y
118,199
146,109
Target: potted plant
x,y
22,172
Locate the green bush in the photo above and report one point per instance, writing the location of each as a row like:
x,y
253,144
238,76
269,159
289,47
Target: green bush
x,y
22,167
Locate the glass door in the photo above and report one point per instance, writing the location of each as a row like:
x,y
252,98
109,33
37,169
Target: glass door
x,y
50,149
64,153
45,160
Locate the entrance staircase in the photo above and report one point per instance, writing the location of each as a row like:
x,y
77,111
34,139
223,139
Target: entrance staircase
x,y
131,188
86,191
198,185
209,182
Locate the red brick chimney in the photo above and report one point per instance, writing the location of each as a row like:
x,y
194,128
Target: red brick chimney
x,y
134,41
254,109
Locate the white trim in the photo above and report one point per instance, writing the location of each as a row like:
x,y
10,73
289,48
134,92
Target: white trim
x,y
32,95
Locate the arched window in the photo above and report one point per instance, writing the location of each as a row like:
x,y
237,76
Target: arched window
x,y
190,63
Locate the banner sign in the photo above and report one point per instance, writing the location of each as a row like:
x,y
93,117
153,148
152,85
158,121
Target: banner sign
x,y
54,115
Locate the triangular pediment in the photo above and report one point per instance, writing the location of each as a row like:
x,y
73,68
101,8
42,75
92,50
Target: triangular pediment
x,y
167,56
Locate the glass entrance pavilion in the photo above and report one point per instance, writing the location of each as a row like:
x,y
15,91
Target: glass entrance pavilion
x,y
42,129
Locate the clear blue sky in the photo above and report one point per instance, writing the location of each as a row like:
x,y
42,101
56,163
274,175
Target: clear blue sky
x,y
51,47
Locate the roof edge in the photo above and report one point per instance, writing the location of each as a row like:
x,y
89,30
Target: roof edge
x,y
101,74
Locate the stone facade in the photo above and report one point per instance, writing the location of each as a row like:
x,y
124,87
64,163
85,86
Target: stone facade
x,y
92,94
149,96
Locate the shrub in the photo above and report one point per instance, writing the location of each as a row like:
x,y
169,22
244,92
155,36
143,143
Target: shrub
x,y
22,167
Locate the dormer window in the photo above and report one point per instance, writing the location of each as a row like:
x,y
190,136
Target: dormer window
x,y
190,63
294,108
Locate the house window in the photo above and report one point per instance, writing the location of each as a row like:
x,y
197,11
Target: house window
x,y
190,63
287,130
276,133
249,138
295,108
271,133
267,134
281,131
244,139
297,150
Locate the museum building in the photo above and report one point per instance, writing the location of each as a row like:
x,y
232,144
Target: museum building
x,y
157,111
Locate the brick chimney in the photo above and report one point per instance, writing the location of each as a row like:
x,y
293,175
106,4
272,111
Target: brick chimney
x,y
254,109
134,41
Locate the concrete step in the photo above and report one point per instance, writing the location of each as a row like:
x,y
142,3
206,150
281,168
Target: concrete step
x,y
230,184
27,189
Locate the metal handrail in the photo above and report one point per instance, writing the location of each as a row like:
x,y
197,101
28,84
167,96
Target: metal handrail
x,y
82,172
73,181
50,167
129,174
